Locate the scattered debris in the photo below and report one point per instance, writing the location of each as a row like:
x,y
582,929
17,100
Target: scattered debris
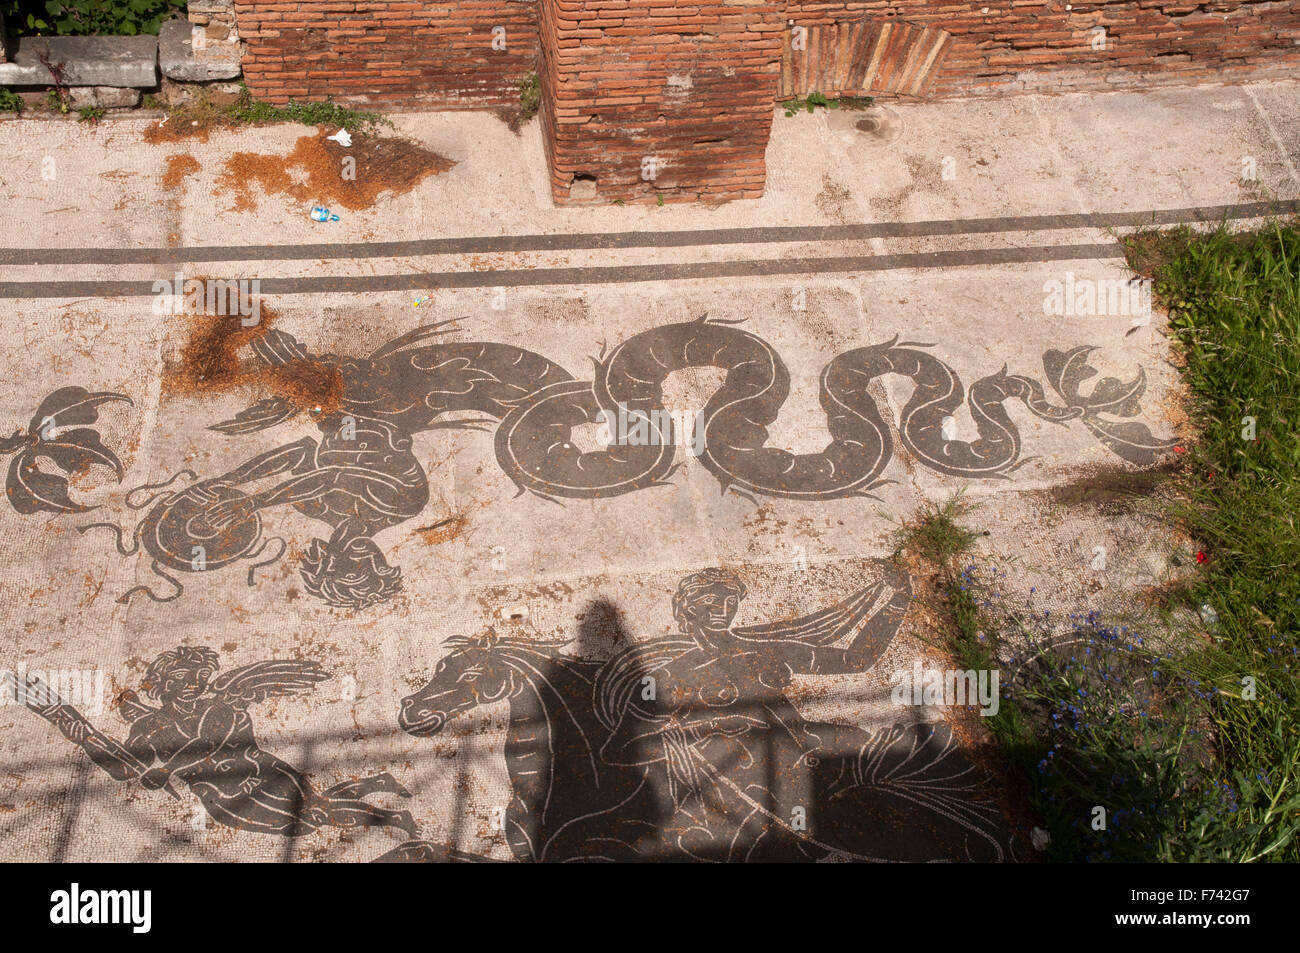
x,y
444,530
163,131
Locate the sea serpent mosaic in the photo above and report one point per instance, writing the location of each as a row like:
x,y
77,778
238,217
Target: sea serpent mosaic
x,y
361,477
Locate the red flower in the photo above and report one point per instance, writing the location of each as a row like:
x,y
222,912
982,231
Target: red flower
x,y
1180,449
1201,557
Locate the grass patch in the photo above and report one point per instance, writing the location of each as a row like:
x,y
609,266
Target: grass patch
x,y
1107,733
198,118
815,99
10,102
1083,720
1127,752
249,111
1192,750
1234,302
530,103
57,100
530,97
937,534
91,114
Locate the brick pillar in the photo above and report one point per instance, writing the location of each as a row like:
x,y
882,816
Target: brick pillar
x,y
658,98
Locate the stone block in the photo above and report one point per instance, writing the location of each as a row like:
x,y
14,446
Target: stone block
x,y
109,97
174,93
189,53
86,61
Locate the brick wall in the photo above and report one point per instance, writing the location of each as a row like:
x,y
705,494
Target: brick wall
x,y
388,52
441,54
650,100
1040,46
687,87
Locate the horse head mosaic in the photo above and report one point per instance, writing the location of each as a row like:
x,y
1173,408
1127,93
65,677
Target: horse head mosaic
x,y
360,478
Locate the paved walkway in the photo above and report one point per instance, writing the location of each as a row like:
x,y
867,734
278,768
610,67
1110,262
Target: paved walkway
x,y
359,575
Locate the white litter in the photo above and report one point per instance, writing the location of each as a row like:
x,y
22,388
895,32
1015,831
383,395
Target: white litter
x,y
342,138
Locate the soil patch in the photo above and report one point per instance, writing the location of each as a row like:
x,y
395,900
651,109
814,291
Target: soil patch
x,y
176,129
314,170
179,166
210,362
